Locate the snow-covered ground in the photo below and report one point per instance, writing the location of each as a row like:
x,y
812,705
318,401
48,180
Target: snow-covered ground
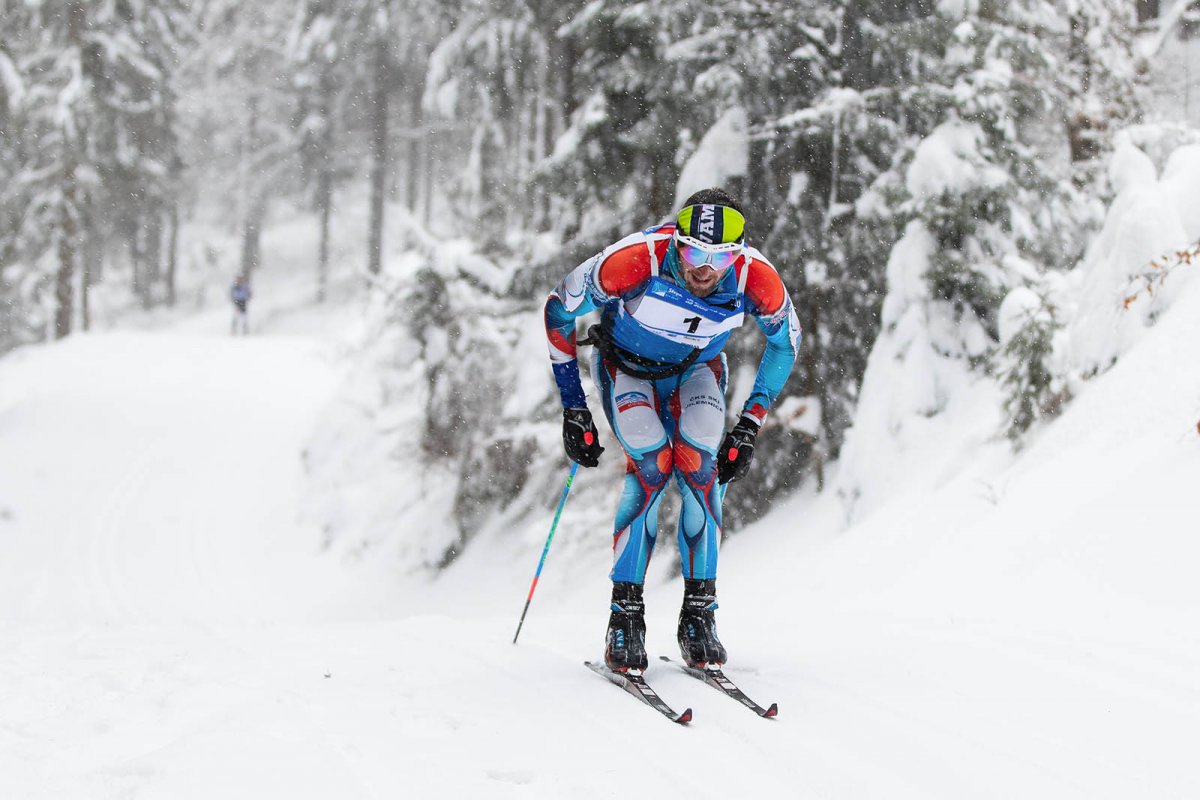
x,y
170,626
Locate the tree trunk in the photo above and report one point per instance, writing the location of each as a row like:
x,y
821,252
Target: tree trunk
x,y
64,288
662,186
324,198
251,236
64,284
412,176
835,169
324,209
153,253
90,265
565,55
137,256
380,94
85,284
541,139
251,204
172,254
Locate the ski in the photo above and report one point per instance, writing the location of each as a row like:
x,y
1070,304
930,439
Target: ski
x,y
636,685
717,679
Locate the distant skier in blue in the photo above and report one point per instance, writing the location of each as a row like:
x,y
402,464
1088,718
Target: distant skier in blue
x,y
669,297
240,294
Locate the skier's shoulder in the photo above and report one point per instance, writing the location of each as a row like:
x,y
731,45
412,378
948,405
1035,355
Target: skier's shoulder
x,y
764,287
625,264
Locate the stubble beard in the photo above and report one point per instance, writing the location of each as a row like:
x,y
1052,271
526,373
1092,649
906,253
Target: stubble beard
x,y
699,291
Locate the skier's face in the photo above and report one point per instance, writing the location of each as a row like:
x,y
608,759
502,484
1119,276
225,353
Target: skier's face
x,y
702,280
704,265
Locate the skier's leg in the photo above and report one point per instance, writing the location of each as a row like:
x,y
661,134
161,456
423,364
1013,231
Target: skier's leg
x,y
698,406
631,406
699,409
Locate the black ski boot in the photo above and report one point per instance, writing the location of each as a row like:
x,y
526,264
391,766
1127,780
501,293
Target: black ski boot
x,y
698,642
625,643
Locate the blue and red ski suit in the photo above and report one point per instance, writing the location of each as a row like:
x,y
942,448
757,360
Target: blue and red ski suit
x,y
674,425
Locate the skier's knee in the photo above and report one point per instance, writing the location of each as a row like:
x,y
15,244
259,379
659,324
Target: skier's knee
x,y
653,468
698,465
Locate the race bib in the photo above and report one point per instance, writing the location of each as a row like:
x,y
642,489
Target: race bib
x,y
678,315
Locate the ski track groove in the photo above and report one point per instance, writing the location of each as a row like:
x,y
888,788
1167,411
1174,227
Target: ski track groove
x,y
109,572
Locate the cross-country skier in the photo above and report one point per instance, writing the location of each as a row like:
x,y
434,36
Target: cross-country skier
x,y
240,295
669,298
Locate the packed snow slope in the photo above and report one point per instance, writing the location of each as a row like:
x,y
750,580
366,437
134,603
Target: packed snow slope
x,y
171,626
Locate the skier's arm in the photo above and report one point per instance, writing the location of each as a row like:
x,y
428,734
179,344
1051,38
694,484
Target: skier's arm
x,y
618,271
572,299
772,309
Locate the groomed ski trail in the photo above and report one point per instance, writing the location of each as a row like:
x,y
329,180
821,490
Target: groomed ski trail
x,y
170,627
157,479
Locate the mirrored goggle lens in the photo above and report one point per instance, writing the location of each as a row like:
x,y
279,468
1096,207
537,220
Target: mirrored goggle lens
x,y
699,257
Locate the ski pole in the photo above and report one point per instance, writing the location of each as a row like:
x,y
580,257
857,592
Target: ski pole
x,y
546,550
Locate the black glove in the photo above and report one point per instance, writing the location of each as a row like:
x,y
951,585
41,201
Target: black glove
x,y
737,451
580,439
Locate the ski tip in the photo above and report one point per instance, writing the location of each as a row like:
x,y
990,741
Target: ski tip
x,y
772,712
685,717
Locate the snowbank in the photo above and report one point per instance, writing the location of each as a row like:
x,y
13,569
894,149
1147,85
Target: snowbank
x,y
1150,217
924,414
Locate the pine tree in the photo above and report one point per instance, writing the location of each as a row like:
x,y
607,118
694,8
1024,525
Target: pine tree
x,y
616,162
826,128
490,78
318,45
1022,363
239,114
92,139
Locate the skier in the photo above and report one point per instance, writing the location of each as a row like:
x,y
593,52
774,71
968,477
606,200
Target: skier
x,y
669,298
240,294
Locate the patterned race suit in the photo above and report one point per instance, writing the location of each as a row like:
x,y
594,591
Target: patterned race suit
x,y
669,426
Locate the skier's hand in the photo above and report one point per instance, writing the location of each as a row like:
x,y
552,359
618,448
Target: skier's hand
x,y
580,438
737,451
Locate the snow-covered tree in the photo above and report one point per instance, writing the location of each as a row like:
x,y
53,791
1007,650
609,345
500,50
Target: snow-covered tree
x,y
991,205
238,111
500,77
616,162
319,45
91,135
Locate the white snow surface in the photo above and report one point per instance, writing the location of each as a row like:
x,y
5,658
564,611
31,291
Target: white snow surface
x,y
171,627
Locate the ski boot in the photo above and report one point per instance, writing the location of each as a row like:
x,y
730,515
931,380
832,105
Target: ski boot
x,y
698,642
625,642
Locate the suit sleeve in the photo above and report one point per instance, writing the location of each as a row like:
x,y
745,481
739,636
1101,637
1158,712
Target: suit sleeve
x,y
576,295
621,270
772,309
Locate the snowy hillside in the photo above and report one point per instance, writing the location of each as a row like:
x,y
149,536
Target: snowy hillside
x,y
170,627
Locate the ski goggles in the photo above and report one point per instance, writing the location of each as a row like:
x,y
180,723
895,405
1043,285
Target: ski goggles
x,y
696,253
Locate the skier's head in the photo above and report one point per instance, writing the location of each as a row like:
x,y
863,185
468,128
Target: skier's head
x,y
710,233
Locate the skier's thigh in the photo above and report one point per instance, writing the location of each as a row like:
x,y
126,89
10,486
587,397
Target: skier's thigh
x,y
702,409
634,416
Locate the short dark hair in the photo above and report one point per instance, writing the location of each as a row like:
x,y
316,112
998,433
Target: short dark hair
x,y
714,196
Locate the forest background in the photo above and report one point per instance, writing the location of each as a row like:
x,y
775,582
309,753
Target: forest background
x,y
476,151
